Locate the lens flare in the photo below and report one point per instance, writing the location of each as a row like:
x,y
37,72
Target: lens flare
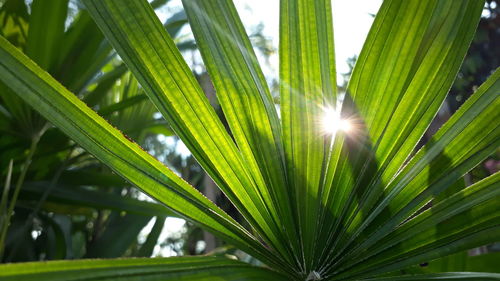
x,y
332,123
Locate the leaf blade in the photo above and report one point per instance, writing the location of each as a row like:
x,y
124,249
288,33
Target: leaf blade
x,y
411,57
178,268
307,87
458,217
245,98
483,276
149,52
110,146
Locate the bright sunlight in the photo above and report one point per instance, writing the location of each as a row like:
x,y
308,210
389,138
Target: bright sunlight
x,y
331,122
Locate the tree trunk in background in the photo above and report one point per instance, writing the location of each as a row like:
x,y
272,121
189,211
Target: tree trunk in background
x,y
210,189
212,192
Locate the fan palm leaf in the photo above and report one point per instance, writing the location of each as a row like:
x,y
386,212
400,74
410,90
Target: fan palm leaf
x,y
321,204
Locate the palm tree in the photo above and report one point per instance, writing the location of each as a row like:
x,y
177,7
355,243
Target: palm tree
x,y
331,188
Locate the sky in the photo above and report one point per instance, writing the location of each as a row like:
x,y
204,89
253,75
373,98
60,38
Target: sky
x,y
352,21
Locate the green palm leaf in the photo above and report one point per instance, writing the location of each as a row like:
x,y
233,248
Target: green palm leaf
x,y
110,146
400,80
307,89
247,104
151,55
452,276
321,205
184,268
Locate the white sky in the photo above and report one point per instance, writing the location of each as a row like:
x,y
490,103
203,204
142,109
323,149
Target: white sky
x,y
352,21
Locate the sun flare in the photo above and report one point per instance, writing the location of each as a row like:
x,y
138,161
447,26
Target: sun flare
x,y
331,122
